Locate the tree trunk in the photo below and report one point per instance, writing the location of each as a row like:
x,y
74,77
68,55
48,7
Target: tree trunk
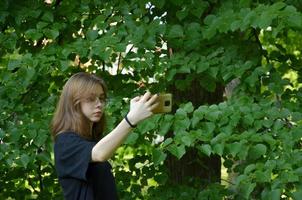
x,y
193,164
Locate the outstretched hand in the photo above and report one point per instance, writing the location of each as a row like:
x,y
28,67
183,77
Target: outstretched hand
x,y
141,107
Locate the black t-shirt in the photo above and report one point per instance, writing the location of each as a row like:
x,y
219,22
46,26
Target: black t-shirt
x,y
80,178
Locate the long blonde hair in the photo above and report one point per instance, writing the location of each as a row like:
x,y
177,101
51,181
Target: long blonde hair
x,y
68,115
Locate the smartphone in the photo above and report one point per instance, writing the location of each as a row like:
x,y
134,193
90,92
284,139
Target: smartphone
x,y
164,103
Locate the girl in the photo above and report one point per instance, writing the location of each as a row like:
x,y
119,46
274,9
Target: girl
x,y
78,123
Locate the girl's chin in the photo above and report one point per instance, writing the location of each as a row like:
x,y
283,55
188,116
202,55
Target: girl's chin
x,y
95,119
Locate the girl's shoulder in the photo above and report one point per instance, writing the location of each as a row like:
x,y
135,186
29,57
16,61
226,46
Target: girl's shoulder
x,y
66,134
71,136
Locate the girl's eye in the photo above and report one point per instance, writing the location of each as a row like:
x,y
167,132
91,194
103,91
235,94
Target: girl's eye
x,y
90,99
103,100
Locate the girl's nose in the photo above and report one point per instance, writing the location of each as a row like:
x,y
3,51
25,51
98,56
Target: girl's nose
x,y
100,102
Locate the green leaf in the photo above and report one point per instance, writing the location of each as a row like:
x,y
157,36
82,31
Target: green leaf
x,y
248,119
198,115
187,139
199,8
161,178
297,194
51,33
290,177
180,114
33,34
273,113
200,111
181,124
177,151
272,195
246,189
218,149
265,19
148,125
15,135
213,115
243,153
47,16
120,47
184,69
44,157
105,55
150,42
164,128
188,107
132,138
206,149
92,35
249,168
209,127
294,20
167,142
209,20
13,64
278,124
177,2
218,138
201,135
257,151
41,25
64,65
262,176
298,171
24,160
165,124
40,139
297,133
270,164
181,14
235,25
176,31
158,156
270,140
213,71
202,66
234,148
159,3
2,133
29,74
278,6
138,35
252,79
170,74
296,116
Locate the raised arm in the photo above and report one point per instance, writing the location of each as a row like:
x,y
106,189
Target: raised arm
x,y
140,109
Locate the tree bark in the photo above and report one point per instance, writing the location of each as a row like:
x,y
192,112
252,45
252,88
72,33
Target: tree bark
x,y
193,164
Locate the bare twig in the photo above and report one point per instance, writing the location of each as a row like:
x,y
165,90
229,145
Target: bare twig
x,y
126,54
118,63
260,45
32,186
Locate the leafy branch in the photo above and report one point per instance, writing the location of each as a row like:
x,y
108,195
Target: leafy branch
x,y
263,52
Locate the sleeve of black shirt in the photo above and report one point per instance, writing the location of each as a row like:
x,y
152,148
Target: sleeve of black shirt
x,y
72,155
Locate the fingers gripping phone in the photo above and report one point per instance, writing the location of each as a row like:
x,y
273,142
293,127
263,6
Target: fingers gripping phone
x,y
164,103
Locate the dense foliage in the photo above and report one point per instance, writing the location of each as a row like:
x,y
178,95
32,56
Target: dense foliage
x,y
155,45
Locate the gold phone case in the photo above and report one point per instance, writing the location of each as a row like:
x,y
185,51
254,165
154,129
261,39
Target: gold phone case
x,y
165,103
